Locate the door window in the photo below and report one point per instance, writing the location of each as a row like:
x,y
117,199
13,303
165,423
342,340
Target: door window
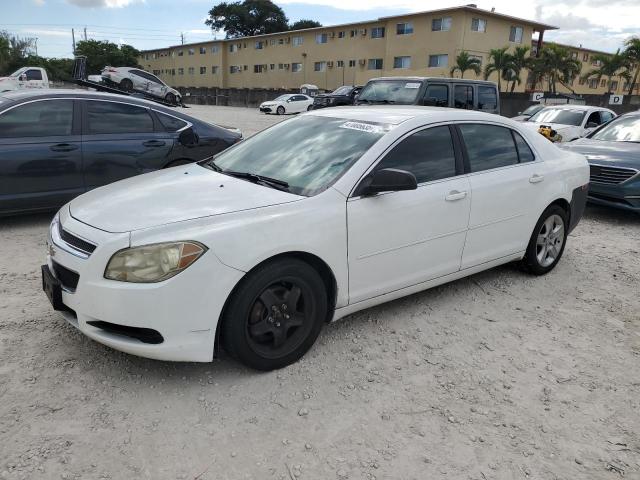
x,y
437,95
487,98
428,154
488,146
594,118
463,96
34,74
38,119
112,117
606,116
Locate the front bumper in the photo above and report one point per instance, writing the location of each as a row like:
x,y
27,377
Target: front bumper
x,y
625,196
184,310
266,109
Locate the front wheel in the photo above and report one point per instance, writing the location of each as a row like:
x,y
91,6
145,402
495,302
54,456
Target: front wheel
x,y
547,241
309,108
170,98
126,84
280,110
275,315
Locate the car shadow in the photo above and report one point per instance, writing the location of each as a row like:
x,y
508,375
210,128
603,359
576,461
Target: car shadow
x,y
609,215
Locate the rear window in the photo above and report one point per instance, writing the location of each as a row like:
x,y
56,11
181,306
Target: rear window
x,y
487,98
170,123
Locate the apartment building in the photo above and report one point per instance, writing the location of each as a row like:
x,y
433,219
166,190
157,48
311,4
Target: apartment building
x,y
581,86
423,44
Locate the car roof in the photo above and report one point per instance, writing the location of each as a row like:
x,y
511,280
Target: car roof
x,y
435,79
395,115
575,107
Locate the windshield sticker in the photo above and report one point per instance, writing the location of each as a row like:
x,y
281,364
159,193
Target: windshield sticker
x,y
363,127
411,85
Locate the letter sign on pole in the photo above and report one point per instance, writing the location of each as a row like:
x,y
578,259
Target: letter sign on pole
x,y
616,99
537,96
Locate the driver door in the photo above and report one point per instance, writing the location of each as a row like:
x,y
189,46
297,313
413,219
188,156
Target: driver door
x,y
399,239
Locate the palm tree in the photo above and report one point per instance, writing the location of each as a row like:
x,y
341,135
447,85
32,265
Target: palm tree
x,y
556,66
519,61
632,53
465,62
500,62
609,66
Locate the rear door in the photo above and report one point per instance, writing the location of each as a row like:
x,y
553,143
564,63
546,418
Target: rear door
x,y
120,140
436,95
40,155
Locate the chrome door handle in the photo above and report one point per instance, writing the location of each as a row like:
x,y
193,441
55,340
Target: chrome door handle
x,y
455,195
536,178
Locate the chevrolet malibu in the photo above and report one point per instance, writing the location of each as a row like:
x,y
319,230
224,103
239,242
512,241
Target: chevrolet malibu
x,y
257,248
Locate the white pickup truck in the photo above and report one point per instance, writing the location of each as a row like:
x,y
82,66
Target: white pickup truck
x,y
25,78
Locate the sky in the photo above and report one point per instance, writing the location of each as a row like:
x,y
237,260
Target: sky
x,y
147,24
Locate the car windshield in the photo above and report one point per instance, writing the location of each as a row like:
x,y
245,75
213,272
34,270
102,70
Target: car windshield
x,y
281,98
392,91
342,91
18,72
309,153
563,116
532,109
623,129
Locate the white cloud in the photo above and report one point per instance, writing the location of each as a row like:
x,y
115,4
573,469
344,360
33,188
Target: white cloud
x,y
102,3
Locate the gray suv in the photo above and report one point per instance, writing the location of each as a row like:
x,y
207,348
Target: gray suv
x,y
432,91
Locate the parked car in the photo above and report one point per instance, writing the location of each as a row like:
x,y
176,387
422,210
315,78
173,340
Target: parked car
x,y
134,79
613,152
432,91
262,245
289,103
25,78
528,112
57,144
341,96
570,121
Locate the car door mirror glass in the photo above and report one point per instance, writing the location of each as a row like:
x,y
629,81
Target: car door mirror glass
x,y
387,180
188,137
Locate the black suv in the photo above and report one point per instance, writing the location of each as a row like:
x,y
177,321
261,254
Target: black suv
x,y
344,95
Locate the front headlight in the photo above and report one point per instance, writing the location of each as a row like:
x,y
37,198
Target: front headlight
x,y
153,263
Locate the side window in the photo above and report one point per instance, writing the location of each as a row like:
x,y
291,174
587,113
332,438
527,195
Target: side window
x,y
437,95
38,119
463,96
606,116
33,75
111,117
488,146
524,151
594,118
171,124
428,154
487,98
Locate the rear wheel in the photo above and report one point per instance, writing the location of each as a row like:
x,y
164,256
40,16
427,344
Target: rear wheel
x,y
280,110
170,98
309,108
275,315
547,242
126,84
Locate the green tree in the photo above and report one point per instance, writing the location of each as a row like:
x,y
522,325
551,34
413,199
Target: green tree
x,y
101,53
555,65
499,62
247,18
465,62
609,66
519,60
302,24
632,54
5,51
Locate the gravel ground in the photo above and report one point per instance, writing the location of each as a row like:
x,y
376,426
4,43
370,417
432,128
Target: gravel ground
x,y
498,376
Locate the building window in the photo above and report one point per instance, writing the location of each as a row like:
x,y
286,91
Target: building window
x,y
192,70
375,64
215,49
340,63
297,41
585,57
441,24
280,66
438,61
192,51
377,32
478,25
180,53
214,70
203,70
614,85
515,35
258,68
321,38
353,33
181,71
259,45
404,28
234,47
603,83
203,50
352,63
402,62
319,66
296,67
593,83
272,66
342,34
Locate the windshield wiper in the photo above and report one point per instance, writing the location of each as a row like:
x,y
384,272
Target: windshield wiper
x,y
210,164
259,179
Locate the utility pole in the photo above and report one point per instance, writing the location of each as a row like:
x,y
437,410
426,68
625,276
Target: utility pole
x,y
73,39
85,34
35,43
181,38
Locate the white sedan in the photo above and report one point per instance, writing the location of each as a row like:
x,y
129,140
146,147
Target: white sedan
x,y
290,103
257,248
570,121
134,79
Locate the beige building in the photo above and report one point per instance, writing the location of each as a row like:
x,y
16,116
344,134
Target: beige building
x,y
423,44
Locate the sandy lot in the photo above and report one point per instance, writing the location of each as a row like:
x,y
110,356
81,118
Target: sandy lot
x,y
498,376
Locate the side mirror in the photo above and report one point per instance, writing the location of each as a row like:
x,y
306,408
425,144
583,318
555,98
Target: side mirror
x,y
387,180
188,138
591,125
519,113
23,77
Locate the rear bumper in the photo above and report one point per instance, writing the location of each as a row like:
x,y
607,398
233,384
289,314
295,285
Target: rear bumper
x,y
578,204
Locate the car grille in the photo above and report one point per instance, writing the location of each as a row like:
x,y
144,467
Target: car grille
x,y
76,242
611,175
68,278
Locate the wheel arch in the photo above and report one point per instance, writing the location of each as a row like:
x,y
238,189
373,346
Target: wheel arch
x,y
318,264
564,204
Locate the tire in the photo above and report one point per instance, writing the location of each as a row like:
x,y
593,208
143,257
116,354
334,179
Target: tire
x,y
177,163
309,108
126,85
275,314
546,247
280,110
170,98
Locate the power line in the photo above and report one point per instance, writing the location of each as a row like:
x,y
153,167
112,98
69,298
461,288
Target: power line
x,y
87,25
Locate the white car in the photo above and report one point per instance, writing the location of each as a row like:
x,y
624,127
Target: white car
x,y
134,79
570,121
290,103
308,221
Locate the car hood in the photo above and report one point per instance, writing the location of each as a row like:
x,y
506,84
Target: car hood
x,y
621,154
520,118
169,196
